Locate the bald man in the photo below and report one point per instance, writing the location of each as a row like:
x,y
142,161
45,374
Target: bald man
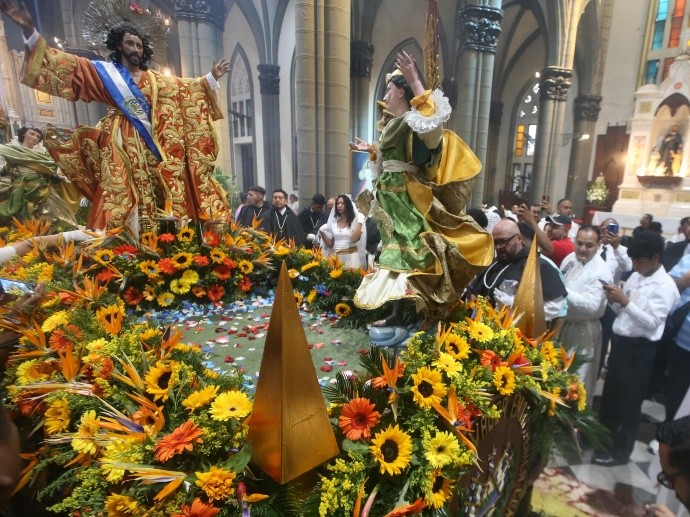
x,y
499,281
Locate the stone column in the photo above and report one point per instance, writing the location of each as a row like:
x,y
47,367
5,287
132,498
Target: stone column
x,y
269,86
479,28
493,183
199,24
336,97
586,113
553,92
361,61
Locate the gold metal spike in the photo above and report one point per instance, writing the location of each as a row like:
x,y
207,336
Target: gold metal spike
x,y
529,298
289,427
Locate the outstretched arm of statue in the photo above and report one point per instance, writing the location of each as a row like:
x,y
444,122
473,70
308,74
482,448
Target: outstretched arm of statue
x,y
220,68
20,15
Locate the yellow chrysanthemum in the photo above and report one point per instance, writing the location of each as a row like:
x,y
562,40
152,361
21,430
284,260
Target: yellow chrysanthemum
x,y
182,260
190,276
428,387
54,321
343,310
149,268
121,506
281,251
217,483
210,374
440,490
293,273
309,265
104,256
217,255
335,273
118,451
549,353
312,296
179,286
165,299
46,273
504,380
581,397
231,404
161,379
480,331
447,363
441,450
200,397
84,440
97,345
149,334
245,267
392,448
457,346
185,234
57,416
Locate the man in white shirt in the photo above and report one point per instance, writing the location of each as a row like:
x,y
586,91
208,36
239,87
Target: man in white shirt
x,y
642,307
584,272
616,257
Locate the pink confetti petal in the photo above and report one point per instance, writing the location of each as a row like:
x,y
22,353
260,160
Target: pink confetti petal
x,y
326,359
326,368
229,359
222,339
318,345
342,363
241,334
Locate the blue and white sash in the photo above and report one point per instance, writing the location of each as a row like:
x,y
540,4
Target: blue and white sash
x,y
129,98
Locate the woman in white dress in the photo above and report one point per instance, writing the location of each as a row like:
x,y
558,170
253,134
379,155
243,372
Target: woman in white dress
x,y
343,233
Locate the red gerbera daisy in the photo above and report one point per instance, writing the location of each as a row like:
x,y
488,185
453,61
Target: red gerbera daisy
x,y
201,260
197,509
245,284
126,249
223,272
166,238
181,439
357,418
133,296
211,239
215,292
229,263
167,266
63,338
105,276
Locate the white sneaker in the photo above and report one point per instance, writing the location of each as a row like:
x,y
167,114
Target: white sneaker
x,y
653,447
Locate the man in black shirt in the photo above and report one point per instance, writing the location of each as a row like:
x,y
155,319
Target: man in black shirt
x,y
283,223
310,217
255,207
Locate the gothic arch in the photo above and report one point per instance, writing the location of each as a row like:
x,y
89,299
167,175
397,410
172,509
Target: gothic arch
x,y
241,115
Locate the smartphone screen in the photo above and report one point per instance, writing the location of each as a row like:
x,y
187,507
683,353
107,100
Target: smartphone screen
x,y
612,228
15,288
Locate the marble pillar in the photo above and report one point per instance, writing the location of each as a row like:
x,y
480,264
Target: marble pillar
x,y
586,113
269,86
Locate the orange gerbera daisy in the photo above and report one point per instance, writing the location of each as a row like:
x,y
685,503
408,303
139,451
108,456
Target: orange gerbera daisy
x,y
181,439
491,359
357,418
215,292
197,509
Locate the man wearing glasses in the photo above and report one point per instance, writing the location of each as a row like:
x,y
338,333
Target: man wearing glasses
x,y
499,281
674,455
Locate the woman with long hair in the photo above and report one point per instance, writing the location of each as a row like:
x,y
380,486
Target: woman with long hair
x,y
343,233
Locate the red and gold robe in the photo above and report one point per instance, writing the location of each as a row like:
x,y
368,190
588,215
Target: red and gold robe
x,y
110,163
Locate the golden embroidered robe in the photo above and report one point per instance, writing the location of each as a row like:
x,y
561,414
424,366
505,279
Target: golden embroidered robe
x,y
111,164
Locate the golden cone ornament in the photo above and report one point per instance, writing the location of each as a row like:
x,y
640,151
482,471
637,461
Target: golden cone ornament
x,y
289,427
529,297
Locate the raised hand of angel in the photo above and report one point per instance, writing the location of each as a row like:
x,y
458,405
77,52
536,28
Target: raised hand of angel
x,y
19,14
360,145
407,65
220,68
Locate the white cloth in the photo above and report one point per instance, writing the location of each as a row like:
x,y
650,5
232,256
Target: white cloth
x,y
651,299
586,304
6,253
572,233
617,260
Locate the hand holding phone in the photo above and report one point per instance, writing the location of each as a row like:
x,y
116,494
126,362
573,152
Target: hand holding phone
x,y
612,228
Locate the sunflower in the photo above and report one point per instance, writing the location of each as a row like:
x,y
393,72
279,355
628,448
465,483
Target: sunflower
x,y
31,371
179,286
447,363
57,416
293,273
441,450
121,506
504,380
357,418
165,299
336,273
200,397
149,334
217,256
197,509
245,267
149,268
298,298
310,265
161,379
343,310
104,256
549,353
440,490
457,346
182,260
149,239
281,251
428,387
185,234
217,483
181,439
480,331
311,296
231,404
392,448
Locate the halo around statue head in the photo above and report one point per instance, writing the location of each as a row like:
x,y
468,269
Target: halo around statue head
x,y
103,15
